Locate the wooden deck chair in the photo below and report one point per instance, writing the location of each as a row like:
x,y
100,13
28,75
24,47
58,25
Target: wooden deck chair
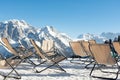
x,y
10,63
52,61
78,50
102,56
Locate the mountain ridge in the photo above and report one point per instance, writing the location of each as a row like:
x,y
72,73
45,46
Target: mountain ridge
x,y
100,38
18,30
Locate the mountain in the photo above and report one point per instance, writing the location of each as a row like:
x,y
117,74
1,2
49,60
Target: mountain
x,y
100,38
20,31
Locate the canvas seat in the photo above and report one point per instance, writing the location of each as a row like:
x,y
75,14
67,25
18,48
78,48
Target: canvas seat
x,y
81,48
52,61
102,56
22,53
86,47
116,46
77,48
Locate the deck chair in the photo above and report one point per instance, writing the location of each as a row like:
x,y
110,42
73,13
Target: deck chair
x,y
52,61
9,63
102,56
116,46
86,47
22,53
78,50
48,47
116,50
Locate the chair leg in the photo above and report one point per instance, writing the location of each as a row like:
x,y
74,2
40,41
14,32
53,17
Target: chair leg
x,y
80,61
13,69
49,67
30,61
71,60
86,66
92,69
60,67
39,64
117,71
118,67
44,69
106,72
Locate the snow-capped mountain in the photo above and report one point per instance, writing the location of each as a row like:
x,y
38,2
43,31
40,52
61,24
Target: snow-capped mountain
x,y
100,38
20,31
16,29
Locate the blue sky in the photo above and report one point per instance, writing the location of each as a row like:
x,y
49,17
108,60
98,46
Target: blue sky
x,y
72,17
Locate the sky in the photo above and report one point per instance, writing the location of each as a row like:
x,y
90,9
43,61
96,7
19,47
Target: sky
x,y
73,17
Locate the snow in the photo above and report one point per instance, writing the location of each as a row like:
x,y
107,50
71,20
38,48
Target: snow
x,y
20,23
100,38
51,30
73,72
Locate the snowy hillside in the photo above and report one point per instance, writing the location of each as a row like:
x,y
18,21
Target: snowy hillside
x,y
21,31
100,38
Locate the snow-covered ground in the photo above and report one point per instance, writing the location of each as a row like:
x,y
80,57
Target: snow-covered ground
x,y
73,72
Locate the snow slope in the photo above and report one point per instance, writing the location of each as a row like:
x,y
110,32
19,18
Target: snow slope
x,y
73,72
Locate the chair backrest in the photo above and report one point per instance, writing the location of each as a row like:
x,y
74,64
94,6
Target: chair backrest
x,y
39,50
77,48
85,46
116,46
102,54
8,46
43,54
14,51
47,45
